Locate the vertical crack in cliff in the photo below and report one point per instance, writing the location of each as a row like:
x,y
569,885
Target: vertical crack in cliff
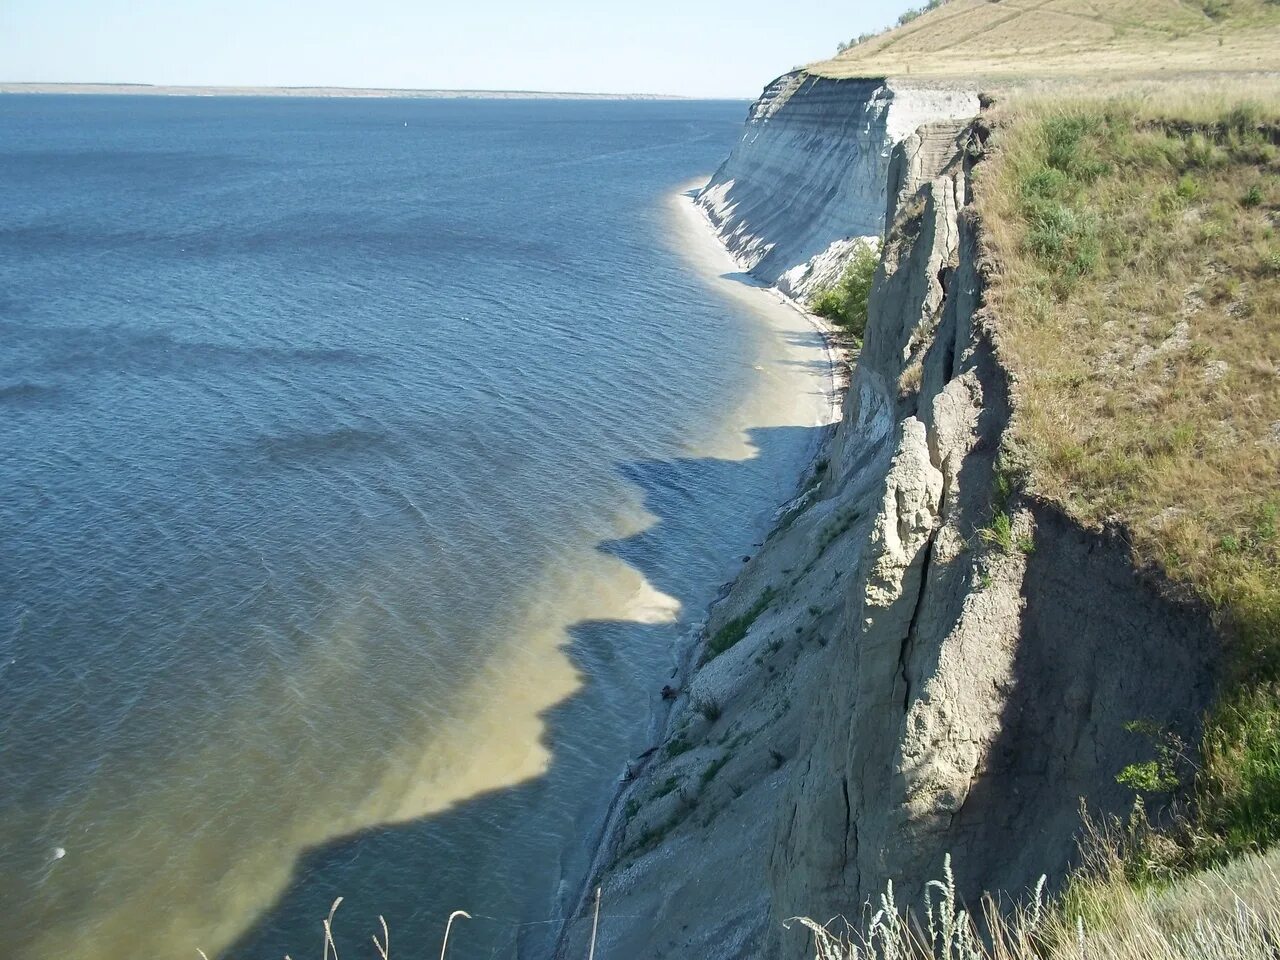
x,y
848,821
908,641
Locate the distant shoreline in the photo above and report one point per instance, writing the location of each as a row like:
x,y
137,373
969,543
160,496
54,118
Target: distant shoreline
x,y
155,90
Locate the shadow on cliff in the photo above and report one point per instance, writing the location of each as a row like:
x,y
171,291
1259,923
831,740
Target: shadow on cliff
x,y
1100,645
499,854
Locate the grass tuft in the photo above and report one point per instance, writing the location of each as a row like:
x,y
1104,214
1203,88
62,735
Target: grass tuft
x,y
737,628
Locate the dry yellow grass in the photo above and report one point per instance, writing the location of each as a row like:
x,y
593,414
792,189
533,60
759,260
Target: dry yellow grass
x,y
1008,40
1139,298
1226,913
1137,291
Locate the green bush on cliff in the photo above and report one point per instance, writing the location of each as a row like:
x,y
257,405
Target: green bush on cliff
x,y
845,302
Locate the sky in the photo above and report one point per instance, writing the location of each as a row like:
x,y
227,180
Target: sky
x,y
703,48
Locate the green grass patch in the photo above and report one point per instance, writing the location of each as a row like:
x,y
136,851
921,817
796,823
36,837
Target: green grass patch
x,y
844,303
713,768
737,628
999,533
666,787
677,745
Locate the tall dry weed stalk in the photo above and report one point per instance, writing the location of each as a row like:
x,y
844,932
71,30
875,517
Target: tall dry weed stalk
x,y
1226,913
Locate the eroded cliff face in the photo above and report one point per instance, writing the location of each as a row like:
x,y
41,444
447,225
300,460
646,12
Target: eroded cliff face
x,y
903,689
809,175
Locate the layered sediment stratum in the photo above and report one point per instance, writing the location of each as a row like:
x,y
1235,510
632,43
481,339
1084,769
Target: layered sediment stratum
x,y
901,688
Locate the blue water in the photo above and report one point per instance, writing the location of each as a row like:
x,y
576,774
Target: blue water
x,y
343,440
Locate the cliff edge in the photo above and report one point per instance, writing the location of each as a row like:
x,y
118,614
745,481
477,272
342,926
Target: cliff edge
x,y
888,682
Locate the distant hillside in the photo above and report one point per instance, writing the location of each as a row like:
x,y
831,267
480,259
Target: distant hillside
x,y
1012,39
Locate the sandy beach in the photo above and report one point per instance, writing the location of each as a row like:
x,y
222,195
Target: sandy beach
x,y
798,367
797,340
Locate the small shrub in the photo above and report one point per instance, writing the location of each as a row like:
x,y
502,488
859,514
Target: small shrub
x,y
1066,240
1069,148
709,708
1044,183
1146,777
1252,196
1200,151
845,303
1166,770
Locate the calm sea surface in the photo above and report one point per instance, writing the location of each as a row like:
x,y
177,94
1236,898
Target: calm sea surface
x,y
364,465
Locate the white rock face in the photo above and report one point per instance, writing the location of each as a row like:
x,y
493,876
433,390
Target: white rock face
x,y
903,689
812,166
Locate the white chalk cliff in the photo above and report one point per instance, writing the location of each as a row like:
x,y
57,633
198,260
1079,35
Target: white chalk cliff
x,y
904,689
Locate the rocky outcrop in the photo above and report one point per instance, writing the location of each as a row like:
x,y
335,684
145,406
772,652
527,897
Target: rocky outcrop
x,y
904,686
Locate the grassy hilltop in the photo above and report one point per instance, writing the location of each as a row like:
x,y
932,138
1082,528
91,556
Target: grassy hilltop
x,y
1097,40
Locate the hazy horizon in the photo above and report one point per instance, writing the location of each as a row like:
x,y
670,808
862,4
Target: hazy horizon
x,y
719,50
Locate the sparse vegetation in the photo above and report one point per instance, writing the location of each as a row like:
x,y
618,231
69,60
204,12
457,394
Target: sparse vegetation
x,y
845,302
709,707
999,532
903,19
677,745
1139,312
1163,773
737,628
1004,42
714,767
649,838
666,787
843,524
